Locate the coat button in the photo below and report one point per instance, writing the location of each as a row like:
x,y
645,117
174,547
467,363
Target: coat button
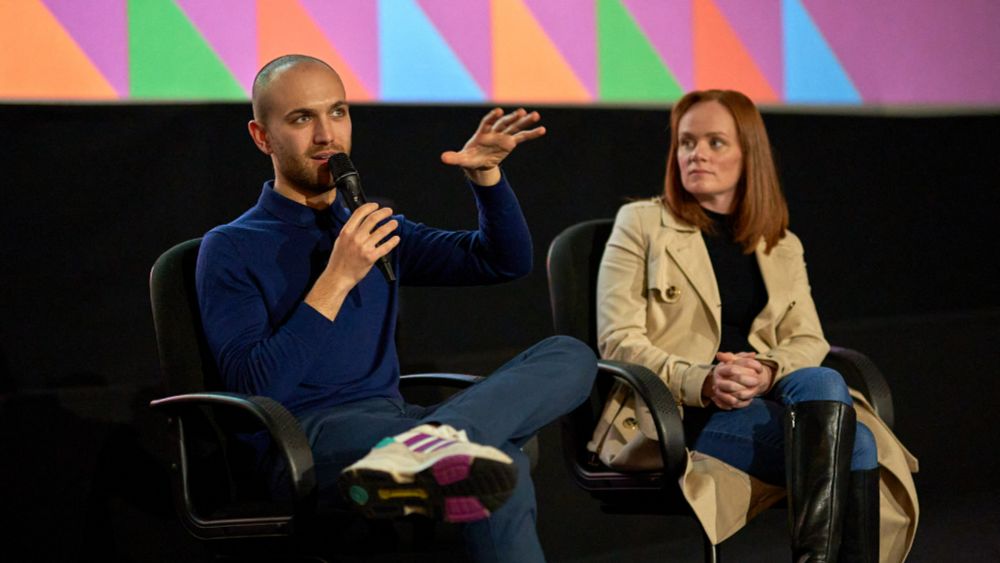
x,y
673,294
630,423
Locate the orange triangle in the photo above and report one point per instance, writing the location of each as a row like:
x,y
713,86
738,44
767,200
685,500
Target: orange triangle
x,y
720,58
39,60
284,27
527,67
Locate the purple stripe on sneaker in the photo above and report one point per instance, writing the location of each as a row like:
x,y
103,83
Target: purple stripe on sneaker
x,y
414,439
442,446
464,509
452,469
424,446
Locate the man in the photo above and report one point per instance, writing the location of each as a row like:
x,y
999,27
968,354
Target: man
x,y
293,310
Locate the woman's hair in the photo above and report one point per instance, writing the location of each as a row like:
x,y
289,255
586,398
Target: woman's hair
x,y
759,207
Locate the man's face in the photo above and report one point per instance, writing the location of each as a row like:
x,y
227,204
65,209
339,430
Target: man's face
x,y
305,121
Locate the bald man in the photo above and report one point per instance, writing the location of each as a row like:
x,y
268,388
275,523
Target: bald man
x,y
293,310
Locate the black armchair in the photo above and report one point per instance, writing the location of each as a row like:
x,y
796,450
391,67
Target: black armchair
x,y
217,490
573,261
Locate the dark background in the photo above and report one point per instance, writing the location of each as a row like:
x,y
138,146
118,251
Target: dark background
x,y
898,214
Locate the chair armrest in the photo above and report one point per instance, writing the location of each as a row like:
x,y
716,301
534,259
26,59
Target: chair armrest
x,y
861,373
264,413
662,406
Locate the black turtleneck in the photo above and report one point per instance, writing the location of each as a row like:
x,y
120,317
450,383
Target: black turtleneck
x,y
740,285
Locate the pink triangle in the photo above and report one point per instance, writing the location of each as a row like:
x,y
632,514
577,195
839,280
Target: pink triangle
x,y
351,26
467,31
99,27
758,25
570,24
923,52
667,25
230,27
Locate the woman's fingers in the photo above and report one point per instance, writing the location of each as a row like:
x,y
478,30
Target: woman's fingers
x,y
742,375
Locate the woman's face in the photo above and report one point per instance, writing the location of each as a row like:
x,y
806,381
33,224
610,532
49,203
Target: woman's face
x,y
709,155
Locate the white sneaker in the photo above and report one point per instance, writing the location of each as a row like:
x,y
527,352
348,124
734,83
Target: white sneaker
x,y
430,470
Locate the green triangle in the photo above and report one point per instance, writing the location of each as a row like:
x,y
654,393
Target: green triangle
x,y
629,69
169,59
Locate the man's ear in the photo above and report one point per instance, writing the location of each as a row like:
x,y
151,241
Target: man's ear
x,y
259,136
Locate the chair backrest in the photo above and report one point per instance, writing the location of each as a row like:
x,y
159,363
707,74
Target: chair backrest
x,y
220,478
185,360
573,260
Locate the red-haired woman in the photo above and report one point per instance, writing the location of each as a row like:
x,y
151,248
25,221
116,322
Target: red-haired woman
x,y
707,287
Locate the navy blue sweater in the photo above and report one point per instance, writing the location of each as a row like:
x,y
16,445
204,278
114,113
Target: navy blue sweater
x,y
253,275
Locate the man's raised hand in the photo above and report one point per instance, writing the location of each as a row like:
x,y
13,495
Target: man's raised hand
x,y
496,137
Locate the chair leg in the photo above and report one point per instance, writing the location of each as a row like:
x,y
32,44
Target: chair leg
x,y
711,550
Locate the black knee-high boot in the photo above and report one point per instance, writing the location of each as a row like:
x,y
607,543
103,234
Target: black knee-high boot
x,y
860,541
819,440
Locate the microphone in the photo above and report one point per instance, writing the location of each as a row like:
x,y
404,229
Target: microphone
x,y
348,183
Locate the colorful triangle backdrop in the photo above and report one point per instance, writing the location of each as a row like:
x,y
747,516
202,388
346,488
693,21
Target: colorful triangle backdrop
x,y
721,58
510,51
416,62
58,67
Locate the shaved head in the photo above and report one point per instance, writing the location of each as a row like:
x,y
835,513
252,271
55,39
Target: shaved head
x,y
300,118
267,75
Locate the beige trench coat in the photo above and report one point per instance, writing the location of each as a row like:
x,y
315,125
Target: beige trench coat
x,y
659,306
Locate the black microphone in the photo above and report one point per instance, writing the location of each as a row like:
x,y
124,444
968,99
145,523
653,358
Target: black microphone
x,y
348,183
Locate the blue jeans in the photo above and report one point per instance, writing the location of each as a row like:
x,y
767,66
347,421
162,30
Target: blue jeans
x,y
752,438
504,410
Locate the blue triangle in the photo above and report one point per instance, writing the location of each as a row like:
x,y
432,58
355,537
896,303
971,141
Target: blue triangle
x,y
415,62
812,72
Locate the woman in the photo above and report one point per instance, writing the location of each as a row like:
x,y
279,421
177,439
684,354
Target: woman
x,y
708,288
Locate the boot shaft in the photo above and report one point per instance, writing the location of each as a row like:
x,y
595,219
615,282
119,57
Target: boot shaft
x,y
860,543
819,441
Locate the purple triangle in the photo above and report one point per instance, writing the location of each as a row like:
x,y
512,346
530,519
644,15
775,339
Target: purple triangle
x,y
758,25
351,26
667,25
230,28
570,25
100,28
899,51
468,31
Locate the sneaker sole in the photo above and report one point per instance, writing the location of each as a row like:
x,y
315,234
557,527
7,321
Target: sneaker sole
x,y
456,488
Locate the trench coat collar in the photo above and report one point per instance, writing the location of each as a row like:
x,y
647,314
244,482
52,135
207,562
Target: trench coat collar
x,y
668,220
774,269
686,247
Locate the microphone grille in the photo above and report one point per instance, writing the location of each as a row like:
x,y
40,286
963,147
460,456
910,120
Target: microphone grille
x,y
340,164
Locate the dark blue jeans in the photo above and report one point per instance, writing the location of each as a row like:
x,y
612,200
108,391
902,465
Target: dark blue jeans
x,y
753,438
504,410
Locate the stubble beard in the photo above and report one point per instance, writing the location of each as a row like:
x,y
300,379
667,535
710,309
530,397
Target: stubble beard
x,y
304,177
